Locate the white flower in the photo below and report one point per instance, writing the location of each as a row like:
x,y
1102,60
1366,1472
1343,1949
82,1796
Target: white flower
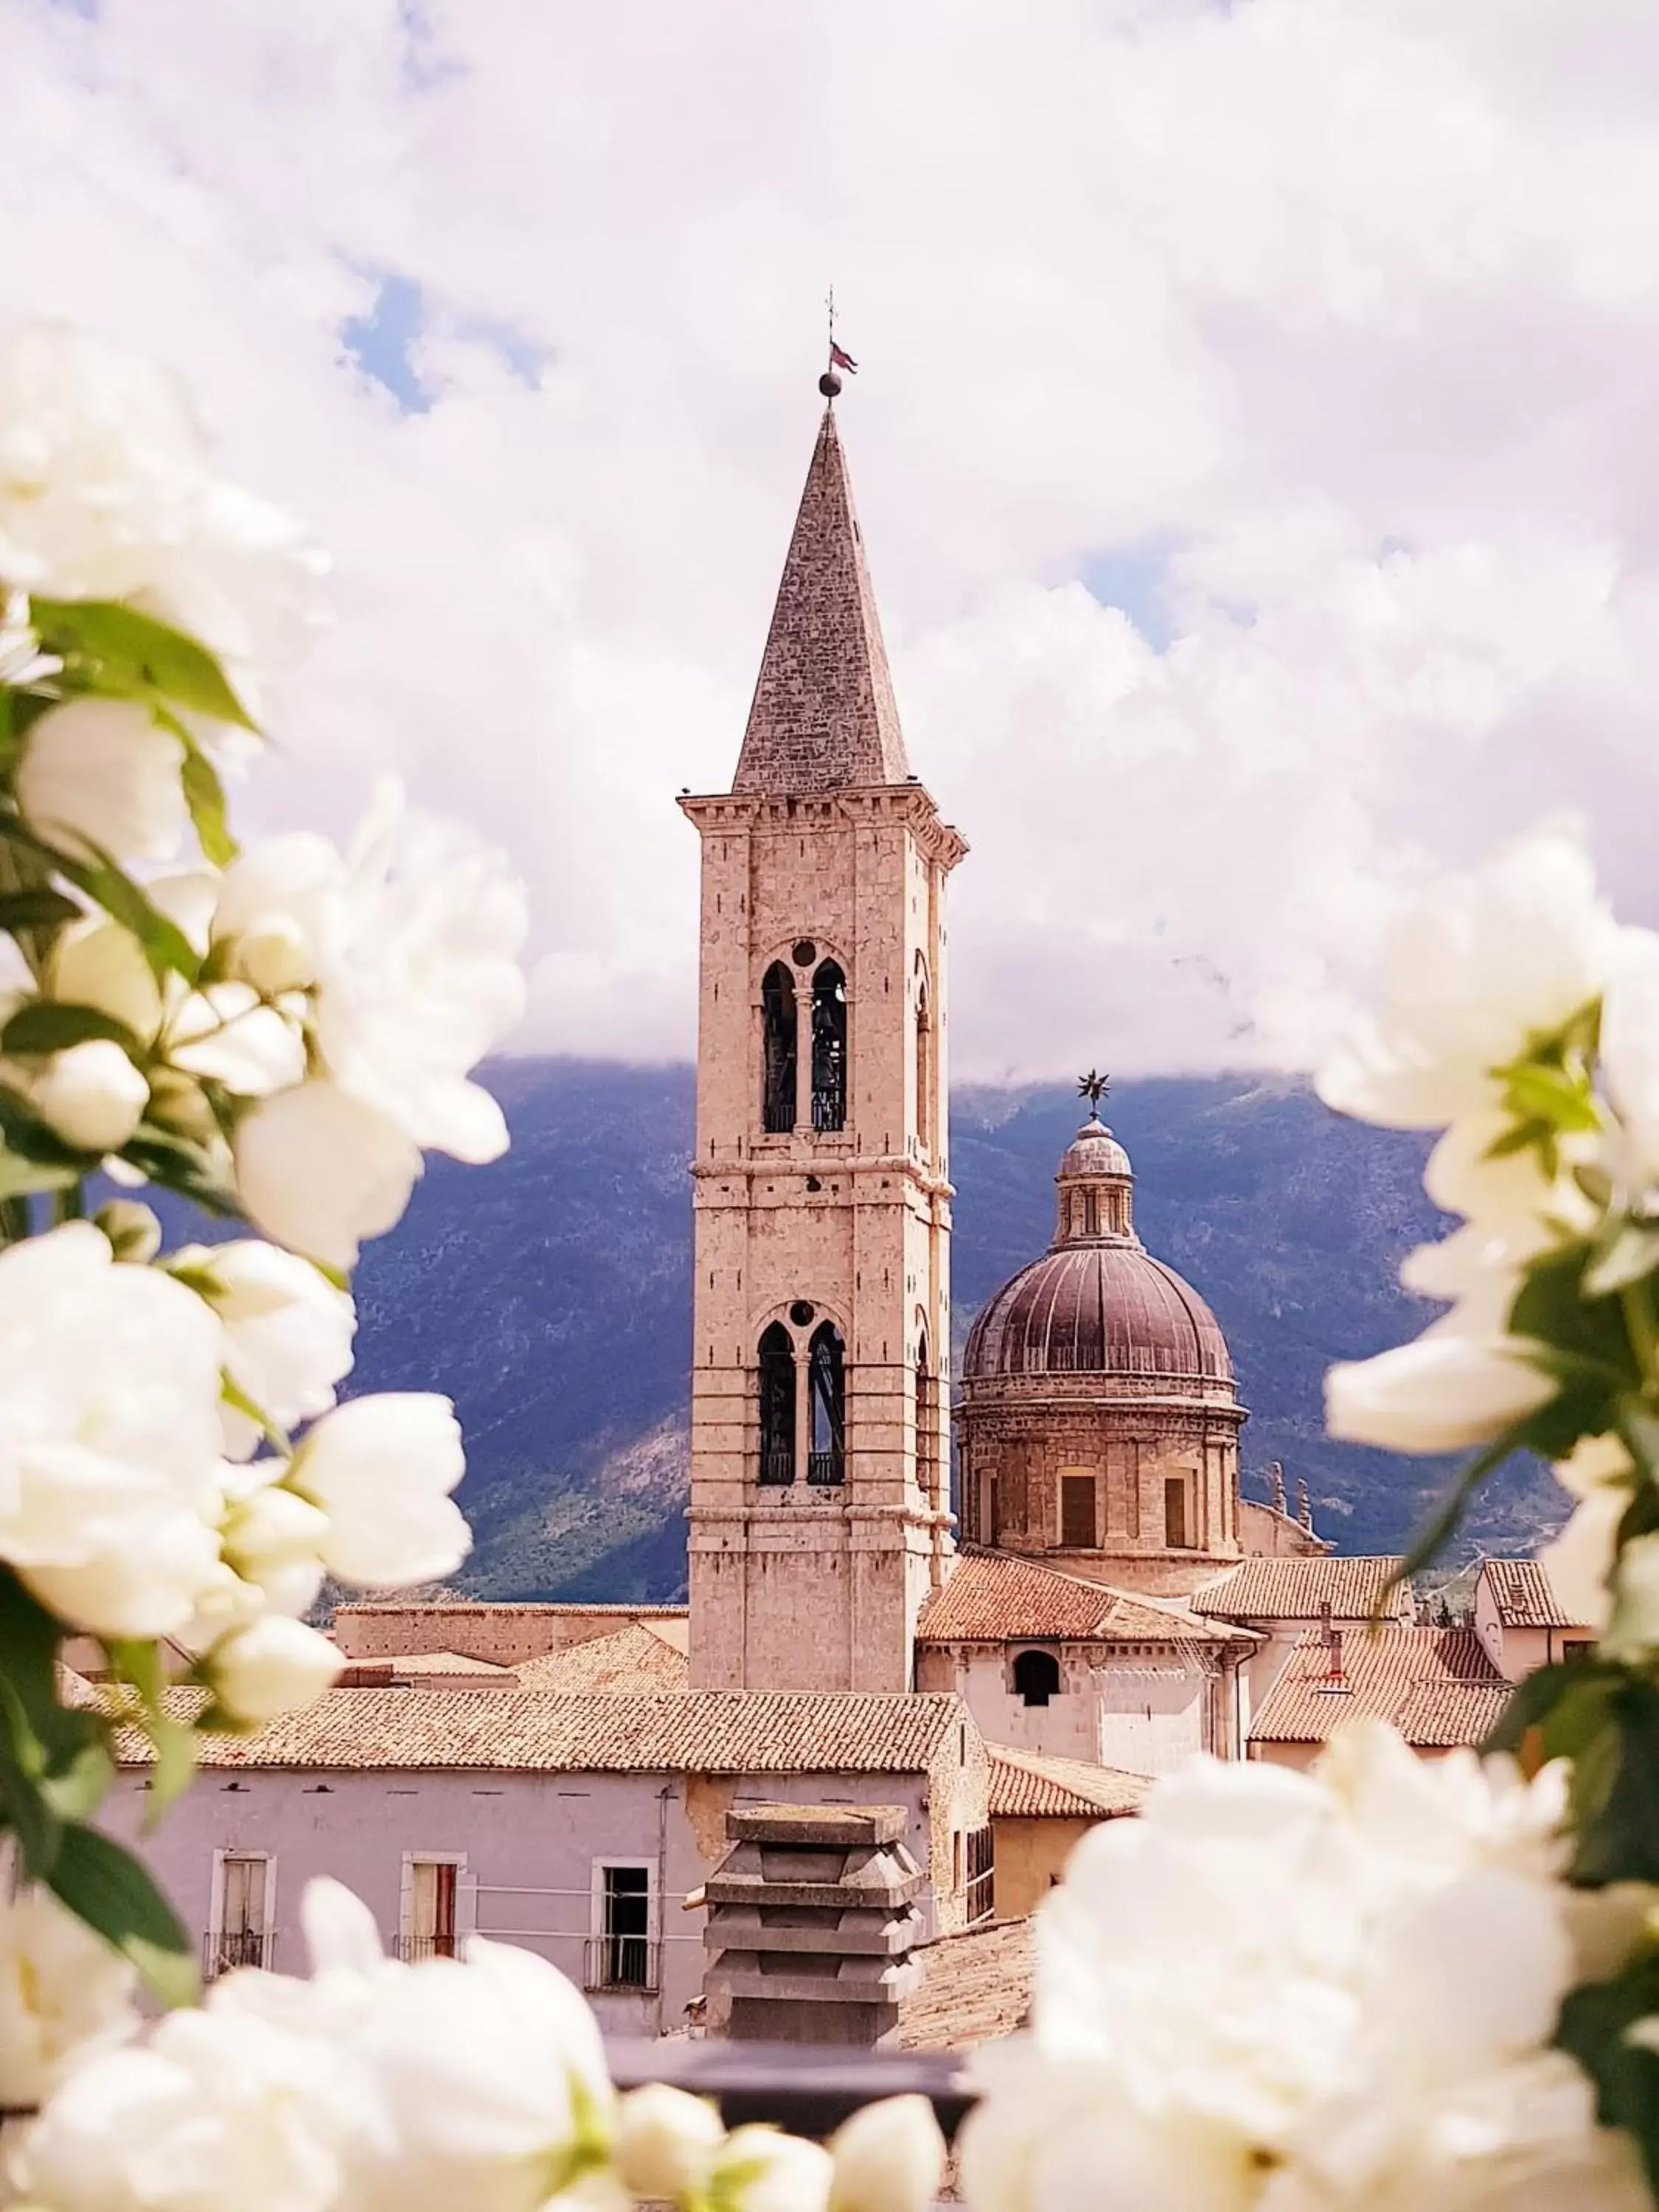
x,y
1284,1992
273,1665
1452,1388
666,2142
221,2109
761,2170
272,1538
287,1332
134,1233
227,1035
382,1468
106,491
1484,964
1630,1055
488,2084
410,942
279,910
888,2157
91,1095
319,1171
21,661
101,772
64,1994
109,1437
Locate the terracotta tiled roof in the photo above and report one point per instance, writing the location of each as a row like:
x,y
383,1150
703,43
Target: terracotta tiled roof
x,y
707,1732
1300,1590
1524,1595
822,717
1029,1784
993,1597
436,1668
634,1661
975,1987
1436,1685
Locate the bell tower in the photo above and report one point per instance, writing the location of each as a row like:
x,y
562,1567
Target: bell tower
x,y
819,1517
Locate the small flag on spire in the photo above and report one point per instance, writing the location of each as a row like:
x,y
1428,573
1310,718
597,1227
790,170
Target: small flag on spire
x,y
840,358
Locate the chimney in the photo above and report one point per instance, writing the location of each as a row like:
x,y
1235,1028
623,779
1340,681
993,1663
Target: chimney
x,y
812,1919
1276,1484
1334,1677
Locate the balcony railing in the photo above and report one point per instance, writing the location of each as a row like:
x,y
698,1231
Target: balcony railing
x,y
621,1962
826,1468
777,1466
412,1948
221,1954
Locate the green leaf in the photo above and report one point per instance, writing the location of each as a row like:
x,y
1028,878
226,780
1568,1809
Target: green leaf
x,y
54,1764
39,908
1555,1306
116,647
1628,1251
1444,1521
1551,1095
1605,1718
166,946
177,1164
26,1135
54,1025
140,1665
1594,2029
21,1178
205,797
106,1887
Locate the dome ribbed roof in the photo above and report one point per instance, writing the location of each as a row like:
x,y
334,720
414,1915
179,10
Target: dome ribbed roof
x,y
1098,1309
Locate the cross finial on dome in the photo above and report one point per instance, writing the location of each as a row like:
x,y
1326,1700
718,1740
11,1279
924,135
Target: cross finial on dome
x,y
1093,1086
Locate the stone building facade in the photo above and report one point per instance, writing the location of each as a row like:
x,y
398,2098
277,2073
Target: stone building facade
x,y
821,1321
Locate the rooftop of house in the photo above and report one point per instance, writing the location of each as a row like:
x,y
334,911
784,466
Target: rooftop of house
x,y
637,1660
1436,1686
1033,1785
1301,1589
1523,1595
993,1597
975,1987
701,1732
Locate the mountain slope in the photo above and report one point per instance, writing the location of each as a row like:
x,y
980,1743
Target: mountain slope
x,y
551,1296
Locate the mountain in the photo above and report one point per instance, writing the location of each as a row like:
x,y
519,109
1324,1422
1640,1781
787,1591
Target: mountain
x,y
551,1296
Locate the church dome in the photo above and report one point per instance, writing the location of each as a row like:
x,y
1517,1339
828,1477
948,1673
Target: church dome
x,y
1100,1309
1097,1303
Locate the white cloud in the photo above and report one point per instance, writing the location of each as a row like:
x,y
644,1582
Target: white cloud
x,y
1348,309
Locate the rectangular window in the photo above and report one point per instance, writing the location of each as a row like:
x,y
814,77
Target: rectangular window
x,y
1077,1512
981,1876
243,1935
1576,1647
431,1928
1175,1533
621,1954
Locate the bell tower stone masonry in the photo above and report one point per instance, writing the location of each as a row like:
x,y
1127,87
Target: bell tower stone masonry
x,y
820,1458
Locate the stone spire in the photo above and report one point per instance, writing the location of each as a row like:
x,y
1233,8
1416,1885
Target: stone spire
x,y
824,717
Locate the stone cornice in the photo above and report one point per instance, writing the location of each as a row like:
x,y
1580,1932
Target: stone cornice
x,y
734,813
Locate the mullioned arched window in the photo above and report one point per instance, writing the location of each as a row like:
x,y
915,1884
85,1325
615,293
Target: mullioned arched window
x,y
777,1405
829,1047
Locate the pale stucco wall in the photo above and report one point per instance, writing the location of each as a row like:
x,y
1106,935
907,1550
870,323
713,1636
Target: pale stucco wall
x,y
530,1843
1517,1652
1031,1857
504,1634
1142,1712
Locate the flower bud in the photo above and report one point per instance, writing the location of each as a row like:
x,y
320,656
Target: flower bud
x,y
888,2157
275,956
133,1231
101,772
761,2170
272,1529
272,1666
91,1096
666,2142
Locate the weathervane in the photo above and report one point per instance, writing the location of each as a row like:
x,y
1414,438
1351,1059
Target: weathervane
x,y
830,382
1093,1086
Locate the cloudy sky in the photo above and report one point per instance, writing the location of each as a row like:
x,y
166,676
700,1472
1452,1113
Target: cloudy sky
x,y
1255,439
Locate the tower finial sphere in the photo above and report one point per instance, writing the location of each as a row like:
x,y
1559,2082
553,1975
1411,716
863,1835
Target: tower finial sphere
x,y
830,384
